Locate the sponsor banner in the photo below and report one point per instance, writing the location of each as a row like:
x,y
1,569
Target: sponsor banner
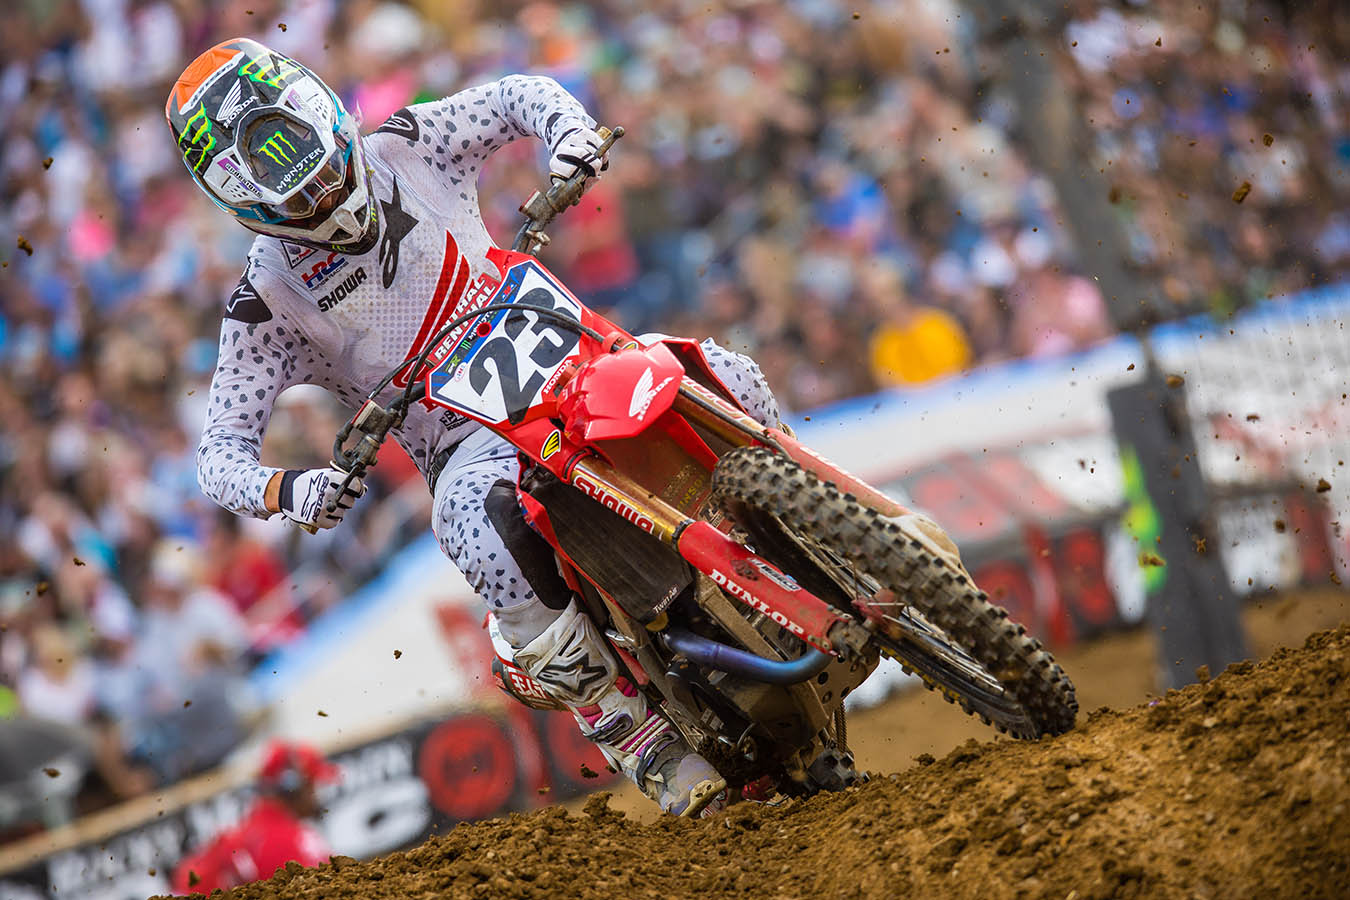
x,y
394,792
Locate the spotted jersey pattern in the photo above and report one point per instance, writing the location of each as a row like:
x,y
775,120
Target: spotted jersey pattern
x,y
341,321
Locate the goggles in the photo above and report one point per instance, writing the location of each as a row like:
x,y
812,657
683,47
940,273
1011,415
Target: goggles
x,y
280,151
330,177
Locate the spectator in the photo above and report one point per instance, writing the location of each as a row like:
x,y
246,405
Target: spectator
x,y
188,625
912,344
273,833
59,683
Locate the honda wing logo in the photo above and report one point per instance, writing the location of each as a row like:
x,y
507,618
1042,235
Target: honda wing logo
x,y
274,149
644,394
233,104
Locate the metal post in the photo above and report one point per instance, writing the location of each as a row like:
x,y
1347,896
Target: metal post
x,y
1191,605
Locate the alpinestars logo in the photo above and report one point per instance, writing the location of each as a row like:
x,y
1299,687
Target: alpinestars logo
x,y
644,394
245,304
572,670
402,123
397,225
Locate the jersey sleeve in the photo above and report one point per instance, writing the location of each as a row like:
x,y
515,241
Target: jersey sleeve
x,y
459,132
256,362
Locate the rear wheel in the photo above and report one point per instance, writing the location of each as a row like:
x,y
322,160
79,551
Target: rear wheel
x,y
928,615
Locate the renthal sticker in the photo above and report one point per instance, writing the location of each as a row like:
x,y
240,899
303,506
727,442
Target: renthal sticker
x,y
602,496
551,444
743,593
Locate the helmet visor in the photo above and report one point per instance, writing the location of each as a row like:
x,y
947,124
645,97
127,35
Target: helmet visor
x,y
330,177
287,157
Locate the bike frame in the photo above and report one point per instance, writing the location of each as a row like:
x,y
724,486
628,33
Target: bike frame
x,y
638,429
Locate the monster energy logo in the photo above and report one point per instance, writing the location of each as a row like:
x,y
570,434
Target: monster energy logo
x,y
272,147
253,70
195,140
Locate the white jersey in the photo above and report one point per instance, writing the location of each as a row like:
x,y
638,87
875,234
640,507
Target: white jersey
x,y
342,321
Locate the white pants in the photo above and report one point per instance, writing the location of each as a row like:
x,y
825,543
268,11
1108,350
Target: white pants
x,y
473,544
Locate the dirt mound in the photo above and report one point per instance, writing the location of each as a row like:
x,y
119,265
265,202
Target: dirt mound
x,y
1232,788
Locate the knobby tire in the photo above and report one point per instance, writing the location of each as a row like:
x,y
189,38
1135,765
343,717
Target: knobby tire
x,y
770,483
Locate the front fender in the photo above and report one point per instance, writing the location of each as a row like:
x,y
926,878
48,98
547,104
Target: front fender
x,y
618,395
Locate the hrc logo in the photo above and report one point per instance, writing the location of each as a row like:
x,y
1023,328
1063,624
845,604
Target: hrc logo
x,y
319,273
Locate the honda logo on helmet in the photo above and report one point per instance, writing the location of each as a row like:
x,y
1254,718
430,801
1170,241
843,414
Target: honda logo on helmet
x,y
234,103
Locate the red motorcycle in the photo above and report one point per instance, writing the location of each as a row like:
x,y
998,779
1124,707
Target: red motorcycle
x,y
747,584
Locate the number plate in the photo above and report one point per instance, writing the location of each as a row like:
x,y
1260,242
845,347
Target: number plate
x,y
498,376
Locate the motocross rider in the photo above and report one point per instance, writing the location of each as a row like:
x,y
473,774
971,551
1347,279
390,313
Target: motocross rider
x,y
367,245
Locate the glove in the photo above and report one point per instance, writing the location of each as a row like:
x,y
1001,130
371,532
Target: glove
x,y
576,149
305,494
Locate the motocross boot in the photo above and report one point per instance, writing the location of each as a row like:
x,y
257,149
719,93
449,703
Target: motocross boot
x,y
575,666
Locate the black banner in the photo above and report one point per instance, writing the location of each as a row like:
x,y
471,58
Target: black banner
x,y
394,792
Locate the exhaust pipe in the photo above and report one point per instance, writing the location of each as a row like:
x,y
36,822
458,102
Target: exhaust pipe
x,y
747,665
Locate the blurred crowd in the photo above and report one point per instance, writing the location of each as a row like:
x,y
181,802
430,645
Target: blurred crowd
x,y
835,189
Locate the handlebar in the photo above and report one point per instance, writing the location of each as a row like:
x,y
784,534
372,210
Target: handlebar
x,y
542,208
375,421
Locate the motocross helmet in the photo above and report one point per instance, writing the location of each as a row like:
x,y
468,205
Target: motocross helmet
x,y
272,145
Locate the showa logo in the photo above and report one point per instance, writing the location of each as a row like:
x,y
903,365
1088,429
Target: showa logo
x,y
323,268
342,291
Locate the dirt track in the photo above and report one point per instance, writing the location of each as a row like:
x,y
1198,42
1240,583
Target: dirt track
x,y
1234,788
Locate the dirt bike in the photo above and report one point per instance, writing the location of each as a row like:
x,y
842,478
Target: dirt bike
x,y
745,583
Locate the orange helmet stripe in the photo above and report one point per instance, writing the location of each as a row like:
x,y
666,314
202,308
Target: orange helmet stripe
x,y
200,69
